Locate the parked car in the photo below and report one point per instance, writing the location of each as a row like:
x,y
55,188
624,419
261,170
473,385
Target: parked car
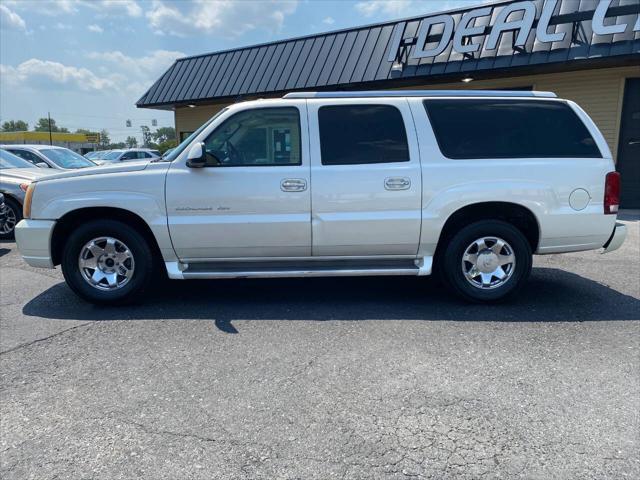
x,y
15,176
96,154
50,156
115,156
468,184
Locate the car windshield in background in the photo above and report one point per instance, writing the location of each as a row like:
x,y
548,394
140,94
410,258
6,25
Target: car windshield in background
x,y
111,156
66,158
9,160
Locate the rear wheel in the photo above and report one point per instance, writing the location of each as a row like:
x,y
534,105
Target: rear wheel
x,y
487,261
107,262
13,216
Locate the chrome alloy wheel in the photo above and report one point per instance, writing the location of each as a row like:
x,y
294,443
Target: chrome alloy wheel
x,y
10,221
106,263
488,262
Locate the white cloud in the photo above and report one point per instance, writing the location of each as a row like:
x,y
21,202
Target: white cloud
x,y
95,28
45,74
395,8
329,21
140,72
67,7
10,19
219,17
62,26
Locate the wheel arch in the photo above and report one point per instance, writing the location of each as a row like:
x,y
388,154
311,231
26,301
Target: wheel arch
x,y
518,215
69,220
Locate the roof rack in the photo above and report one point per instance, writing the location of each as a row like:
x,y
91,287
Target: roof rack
x,y
422,93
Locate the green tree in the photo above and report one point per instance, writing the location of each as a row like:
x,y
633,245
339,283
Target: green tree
x,y
42,125
146,136
164,134
164,146
14,126
131,142
105,140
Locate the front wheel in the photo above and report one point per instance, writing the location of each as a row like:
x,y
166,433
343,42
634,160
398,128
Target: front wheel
x,y
13,212
487,261
107,262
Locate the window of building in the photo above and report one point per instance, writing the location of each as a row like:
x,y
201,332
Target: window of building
x,y
262,136
469,128
362,134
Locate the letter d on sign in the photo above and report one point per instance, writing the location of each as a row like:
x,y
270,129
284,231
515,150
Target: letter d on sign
x,y
423,33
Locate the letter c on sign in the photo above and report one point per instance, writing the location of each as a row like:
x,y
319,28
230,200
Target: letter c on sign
x,y
423,33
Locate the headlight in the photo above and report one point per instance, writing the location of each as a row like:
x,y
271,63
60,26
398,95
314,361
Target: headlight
x,y
26,208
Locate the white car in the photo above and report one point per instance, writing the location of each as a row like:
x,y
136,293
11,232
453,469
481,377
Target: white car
x,y
114,156
50,156
332,184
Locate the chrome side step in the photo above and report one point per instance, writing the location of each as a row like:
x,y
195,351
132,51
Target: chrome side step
x,y
339,268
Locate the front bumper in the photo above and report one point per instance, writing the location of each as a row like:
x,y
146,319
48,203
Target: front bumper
x,y
33,238
617,238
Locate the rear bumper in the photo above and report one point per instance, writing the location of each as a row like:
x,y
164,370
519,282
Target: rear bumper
x,y
617,238
33,238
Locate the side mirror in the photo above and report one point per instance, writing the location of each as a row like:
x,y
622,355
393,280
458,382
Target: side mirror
x,y
42,165
196,157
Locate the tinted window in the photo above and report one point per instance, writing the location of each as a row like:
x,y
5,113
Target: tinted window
x,y
361,134
467,129
28,156
262,136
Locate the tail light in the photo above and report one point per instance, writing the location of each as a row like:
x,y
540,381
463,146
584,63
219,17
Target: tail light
x,y
611,193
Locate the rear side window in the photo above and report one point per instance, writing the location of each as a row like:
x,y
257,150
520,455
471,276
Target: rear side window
x,y
362,134
468,129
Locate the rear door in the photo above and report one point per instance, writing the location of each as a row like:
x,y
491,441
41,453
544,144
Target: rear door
x,y
366,180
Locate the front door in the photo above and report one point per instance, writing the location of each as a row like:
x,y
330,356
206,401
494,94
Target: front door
x,y
629,146
253,197
367,186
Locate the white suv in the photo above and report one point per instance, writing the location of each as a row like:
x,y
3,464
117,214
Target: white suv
x,y
330,184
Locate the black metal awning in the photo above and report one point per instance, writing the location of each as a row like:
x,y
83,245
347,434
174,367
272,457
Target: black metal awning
x,y
363,57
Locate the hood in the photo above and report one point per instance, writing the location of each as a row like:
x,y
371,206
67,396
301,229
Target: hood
x,y
120,167
30,174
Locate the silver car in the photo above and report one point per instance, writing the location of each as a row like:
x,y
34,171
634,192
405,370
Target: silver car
x,y
122,155
49,156
15,176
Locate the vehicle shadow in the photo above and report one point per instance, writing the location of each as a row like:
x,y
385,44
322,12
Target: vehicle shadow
x,y
4,251
552,295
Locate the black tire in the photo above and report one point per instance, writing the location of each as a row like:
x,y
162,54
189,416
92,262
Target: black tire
x,y
15,209
451,265
136,243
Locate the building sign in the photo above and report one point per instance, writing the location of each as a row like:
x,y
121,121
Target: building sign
x,y
92,137
518,18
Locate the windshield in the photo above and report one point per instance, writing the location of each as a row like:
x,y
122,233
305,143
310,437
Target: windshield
x,y
9,160
113,155
65,158
180,148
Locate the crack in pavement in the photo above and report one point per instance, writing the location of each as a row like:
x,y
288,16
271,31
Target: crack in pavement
x,y
43,339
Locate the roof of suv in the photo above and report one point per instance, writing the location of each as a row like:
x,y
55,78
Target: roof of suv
x,y
423,93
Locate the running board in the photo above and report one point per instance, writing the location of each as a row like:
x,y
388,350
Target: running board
x,y
339,268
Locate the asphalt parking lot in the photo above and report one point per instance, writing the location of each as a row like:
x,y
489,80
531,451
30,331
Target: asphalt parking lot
x,y
325,378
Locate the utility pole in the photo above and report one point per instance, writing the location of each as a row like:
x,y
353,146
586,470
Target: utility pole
x,y
50,139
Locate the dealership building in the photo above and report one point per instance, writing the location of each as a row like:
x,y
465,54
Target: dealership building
x,y
583,50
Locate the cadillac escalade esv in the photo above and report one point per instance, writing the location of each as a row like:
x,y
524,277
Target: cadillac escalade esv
x,y
469,184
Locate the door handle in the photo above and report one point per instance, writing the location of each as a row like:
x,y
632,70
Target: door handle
x,y
634,141
293,185
397,183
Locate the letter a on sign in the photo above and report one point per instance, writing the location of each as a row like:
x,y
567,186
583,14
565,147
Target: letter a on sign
x,y
523,26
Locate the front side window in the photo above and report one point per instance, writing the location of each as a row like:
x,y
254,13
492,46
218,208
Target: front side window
x,y
506,128
362,134
258,137
26,155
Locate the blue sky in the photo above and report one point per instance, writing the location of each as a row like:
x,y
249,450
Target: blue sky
x,y
88,61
